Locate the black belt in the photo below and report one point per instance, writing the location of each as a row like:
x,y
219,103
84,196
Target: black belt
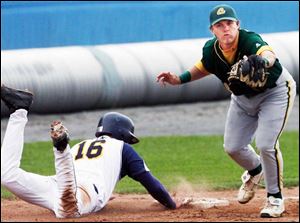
x,y
96,189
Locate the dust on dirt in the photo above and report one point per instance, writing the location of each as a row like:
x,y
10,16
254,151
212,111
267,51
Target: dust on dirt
x,y
142,208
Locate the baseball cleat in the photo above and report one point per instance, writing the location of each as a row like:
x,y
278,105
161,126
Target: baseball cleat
x,y
273,209
16,99
60,135
249,186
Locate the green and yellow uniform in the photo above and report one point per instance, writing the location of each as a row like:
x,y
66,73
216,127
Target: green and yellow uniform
x,y
219,62
253,113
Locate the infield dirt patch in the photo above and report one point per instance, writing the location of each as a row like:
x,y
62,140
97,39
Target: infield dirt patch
x,y
142,208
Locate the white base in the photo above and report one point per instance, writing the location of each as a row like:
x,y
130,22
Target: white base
x,y
205,203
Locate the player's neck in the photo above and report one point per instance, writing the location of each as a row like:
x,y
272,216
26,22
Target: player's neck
x,y
227,47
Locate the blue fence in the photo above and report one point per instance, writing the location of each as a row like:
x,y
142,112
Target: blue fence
x,y
31,24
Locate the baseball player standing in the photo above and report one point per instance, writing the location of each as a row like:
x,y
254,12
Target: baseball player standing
x,y
262,97
86,174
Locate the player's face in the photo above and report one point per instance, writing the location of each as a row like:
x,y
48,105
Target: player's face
x,y
226,31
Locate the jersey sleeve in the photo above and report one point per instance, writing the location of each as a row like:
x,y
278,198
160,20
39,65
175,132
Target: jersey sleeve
x,y
264,48
132,164
201,67
207,61
256,45
156,189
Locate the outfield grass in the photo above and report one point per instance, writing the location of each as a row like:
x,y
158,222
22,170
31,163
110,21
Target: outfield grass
x,y
199,161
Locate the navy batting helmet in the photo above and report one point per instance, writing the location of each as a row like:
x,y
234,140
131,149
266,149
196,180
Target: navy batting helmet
x,y
118,126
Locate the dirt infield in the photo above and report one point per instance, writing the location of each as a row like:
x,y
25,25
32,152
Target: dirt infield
x,y
142,208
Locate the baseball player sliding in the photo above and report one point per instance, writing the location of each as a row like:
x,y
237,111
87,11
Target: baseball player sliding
x,y
263,93
86,175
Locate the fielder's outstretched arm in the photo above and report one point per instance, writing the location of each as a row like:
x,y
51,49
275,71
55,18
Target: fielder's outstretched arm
x,y
192,74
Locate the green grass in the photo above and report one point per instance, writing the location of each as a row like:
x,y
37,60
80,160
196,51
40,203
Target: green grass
x,y
197,161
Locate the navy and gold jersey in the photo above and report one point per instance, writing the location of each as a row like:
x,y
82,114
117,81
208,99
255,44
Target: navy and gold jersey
x,y
132,164
104,161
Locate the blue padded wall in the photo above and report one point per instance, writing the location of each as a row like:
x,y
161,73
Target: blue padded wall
x,y
31,24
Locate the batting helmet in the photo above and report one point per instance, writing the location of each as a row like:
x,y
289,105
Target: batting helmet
x,y
118,126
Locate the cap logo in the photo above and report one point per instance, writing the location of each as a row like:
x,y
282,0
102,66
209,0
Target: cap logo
x,y
221,11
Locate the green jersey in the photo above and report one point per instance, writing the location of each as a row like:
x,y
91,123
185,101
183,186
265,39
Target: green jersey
x,y
248,43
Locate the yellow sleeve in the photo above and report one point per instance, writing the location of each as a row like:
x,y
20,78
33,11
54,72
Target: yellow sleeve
x,y
264,48
201,67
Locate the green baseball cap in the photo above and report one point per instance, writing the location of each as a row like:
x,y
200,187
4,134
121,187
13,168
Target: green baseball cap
x,y
222,12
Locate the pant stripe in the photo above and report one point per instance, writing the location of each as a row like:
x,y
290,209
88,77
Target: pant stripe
x,y
276,146
279,168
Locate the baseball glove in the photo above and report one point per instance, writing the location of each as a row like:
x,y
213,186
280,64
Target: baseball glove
x,y
251,71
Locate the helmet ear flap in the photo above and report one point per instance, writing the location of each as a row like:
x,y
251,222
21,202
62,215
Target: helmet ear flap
x,y
122,133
